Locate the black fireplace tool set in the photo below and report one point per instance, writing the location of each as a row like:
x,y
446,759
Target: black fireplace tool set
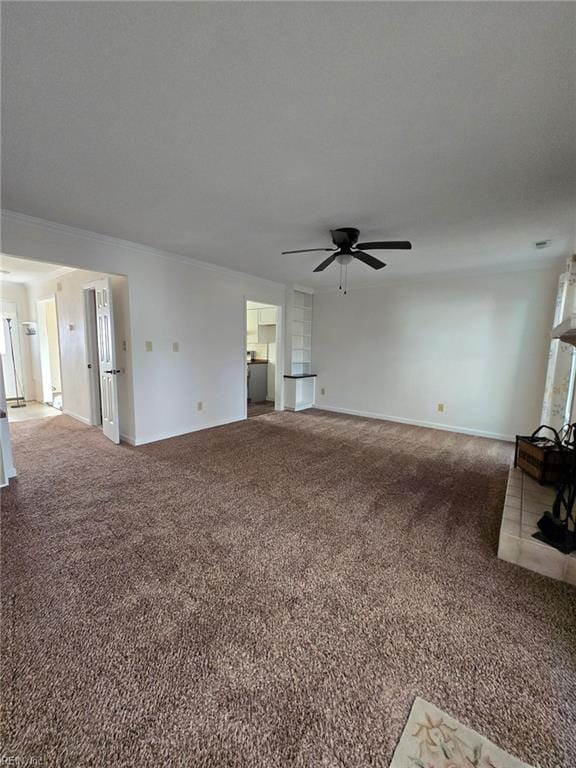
x,y
558,526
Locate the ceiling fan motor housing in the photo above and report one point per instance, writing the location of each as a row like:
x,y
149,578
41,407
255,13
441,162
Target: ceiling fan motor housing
x,y
345,237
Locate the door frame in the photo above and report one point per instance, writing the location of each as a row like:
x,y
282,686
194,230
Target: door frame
x,y
279,377
110,429
43,343
91,353
24,395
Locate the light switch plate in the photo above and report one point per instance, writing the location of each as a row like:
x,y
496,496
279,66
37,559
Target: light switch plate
x,y
148,345
175,346
441,407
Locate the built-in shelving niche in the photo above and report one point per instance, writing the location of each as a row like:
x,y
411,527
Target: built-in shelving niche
x,y
302,333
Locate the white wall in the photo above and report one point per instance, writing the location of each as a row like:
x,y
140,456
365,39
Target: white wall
x,y
170,299
477,344
68,291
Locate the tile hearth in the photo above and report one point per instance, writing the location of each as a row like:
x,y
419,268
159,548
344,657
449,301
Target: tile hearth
x,y
525,503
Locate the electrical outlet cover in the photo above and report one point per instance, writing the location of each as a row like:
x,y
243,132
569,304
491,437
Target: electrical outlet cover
x,y
148,346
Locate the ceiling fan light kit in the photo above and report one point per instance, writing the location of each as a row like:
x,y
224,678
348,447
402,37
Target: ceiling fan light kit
x,y
348,248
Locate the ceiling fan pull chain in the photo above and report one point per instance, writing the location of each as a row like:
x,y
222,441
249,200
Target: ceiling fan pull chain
x,y
340,286
345,279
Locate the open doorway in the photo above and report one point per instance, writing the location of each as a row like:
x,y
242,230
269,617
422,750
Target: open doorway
x,y
49,345
262,359
62,356
11,352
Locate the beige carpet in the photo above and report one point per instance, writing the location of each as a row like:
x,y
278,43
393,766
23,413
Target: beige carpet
x,y
271,593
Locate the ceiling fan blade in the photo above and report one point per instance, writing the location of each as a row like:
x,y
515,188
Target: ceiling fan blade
x,y
325,263
390,245
365,258
308,250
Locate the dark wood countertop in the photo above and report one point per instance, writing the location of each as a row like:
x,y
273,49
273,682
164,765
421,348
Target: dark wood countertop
x,y
300,375
257,362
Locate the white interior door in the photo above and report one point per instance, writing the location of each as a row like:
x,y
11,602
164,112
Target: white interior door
x,y
107,360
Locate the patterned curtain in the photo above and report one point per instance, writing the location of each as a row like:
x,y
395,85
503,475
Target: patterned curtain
x,y
559,390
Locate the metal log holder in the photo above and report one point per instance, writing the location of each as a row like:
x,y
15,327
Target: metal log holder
x,y
558,527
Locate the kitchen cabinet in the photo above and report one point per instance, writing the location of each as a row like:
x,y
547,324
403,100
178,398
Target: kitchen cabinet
x,y
257,382
267,316
256,318
252,326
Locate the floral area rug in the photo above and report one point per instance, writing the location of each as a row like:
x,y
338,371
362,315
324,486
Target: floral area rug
x,y
433,739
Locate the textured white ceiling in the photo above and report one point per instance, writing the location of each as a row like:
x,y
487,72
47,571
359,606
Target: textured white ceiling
x,y
15,270
232,131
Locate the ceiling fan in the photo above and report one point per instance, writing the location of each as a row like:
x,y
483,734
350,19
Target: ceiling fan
x,y
348,248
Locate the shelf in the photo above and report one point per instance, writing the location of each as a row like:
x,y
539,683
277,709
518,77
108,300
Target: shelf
x,y
566,330
301,332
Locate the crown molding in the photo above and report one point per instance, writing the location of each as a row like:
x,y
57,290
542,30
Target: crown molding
x,y
128,245
115,242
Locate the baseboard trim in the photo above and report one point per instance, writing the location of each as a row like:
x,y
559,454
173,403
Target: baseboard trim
x,y
187,431
127,439
300,407
77,416
418,423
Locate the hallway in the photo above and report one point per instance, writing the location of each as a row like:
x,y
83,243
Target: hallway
x,y
33,410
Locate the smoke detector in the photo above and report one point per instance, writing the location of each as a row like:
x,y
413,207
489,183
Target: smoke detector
x,y
539,244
